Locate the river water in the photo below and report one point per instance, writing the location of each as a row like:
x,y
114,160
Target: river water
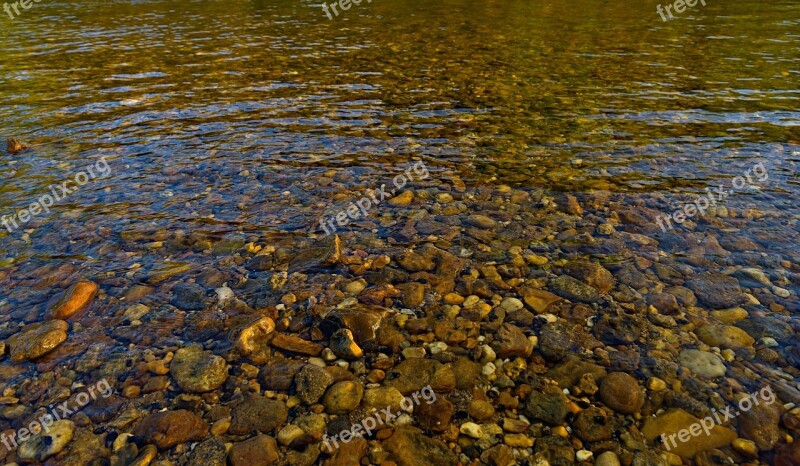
x,y
551,134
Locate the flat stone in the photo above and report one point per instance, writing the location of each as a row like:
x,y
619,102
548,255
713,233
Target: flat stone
x,y
188,296
36,340
409,446
412,375
622,393
255,337
198,371
591,273
510,341
295,344
702,363
678,420
717,291
77,298
261,450
725,336
343,397
258,414
46,444
574,290
167,429
311,383
549,406
212,452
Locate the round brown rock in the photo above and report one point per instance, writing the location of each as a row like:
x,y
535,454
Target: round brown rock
x,y
170,428
621,392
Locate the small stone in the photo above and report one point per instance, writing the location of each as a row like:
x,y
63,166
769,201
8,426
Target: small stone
x,y
188,296
470,429
136,312
518,440
258,414
211,452
591,273
676,420
747,448
480,410
344,346
198,371
655,384
510,341
36,340
438,347
717,291
261,450
583,455
481,221
608,458
355,287
549,406
702,363
729,316
311,383
295,344
511,304
414,352
409,446
434,416
574,290
78,297
725,336
621,392
255,336
403,199
46,443
343,397
167,429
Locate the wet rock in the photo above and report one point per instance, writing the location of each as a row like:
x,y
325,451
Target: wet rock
x,y
295,344
163,272
412,294
279,374
259,450
480,221
402,200
212,452
257,414
608,458
434,416
767,327
323,253
556,451
574,290
594,425
414,262
198,371
382,397
412,375
788,455
702,363
760,424
36,340
665,303
13,146
363,321
344,346
729,316
717,291
188,296
549,406
311,382
618,328
559,340
592,274
622,393
46,443
349,453
677,422
409,446
725,336
254,338
510,341
343,397
570,372
167,429
77,298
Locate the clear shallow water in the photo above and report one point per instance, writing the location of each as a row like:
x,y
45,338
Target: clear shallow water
x,y
222,121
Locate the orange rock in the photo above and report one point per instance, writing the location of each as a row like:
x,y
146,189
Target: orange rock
x,y
75,299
